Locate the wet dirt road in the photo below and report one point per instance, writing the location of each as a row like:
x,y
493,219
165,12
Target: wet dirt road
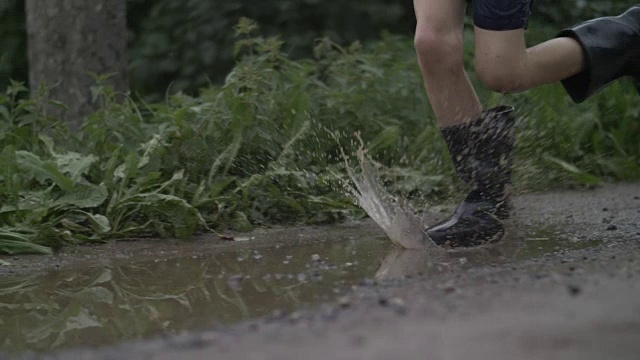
x,y
565,285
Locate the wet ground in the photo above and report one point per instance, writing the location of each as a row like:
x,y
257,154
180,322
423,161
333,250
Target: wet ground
x,y
565,274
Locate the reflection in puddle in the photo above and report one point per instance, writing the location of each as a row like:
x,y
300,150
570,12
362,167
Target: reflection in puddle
x,y
524,245
108,304
105,305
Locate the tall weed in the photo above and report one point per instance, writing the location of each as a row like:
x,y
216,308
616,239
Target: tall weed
x,y
264,147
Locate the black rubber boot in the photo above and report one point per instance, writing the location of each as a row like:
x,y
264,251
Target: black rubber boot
x,y
611,48
482,154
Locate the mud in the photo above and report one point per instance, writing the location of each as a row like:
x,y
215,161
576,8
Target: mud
x,y
563,285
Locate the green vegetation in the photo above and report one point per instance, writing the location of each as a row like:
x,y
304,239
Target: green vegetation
x,y
185,45
263,148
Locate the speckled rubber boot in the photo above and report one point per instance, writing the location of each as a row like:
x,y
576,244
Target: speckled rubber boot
x,y
482,153
611,48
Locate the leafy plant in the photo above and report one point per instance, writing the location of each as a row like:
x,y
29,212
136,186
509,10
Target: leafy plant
x,y
265,146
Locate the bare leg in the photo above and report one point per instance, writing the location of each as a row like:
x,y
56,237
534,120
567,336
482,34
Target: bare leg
x,y
505,64
439,46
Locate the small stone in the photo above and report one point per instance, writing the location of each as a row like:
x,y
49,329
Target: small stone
x,y
369,282
295,316
605,209
240,259
302,277
382,301
277,314
289,257
316,275
234,282
344,302
574,290
329,312
449,289
612,227
286,262
315,257
348,264
257,257
399,306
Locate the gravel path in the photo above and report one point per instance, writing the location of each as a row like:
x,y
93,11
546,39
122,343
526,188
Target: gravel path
x,y
572,304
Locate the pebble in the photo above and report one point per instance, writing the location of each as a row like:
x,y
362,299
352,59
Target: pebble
x,y
399,306
315,257
369,282
316,275
574,290
329,312
612,227
344,302
277,314
234,281
295,316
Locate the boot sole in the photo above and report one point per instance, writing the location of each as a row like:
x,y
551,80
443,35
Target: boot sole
x,y
495,241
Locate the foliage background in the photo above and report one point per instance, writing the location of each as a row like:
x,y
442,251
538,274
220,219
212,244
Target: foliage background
x,y
261,144
186,44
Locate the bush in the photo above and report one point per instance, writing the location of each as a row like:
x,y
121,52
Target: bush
x,y
188,44
265,147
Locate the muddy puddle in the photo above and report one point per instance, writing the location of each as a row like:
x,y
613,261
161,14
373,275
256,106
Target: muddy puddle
x,y
115,298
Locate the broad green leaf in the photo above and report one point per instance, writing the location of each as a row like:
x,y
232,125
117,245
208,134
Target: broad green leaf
x,y
9,246
99,223
84,196
43,170
96,294
387,137
74,164
578,174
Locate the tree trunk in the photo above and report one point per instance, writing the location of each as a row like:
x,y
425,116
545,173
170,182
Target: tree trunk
x,y
70,39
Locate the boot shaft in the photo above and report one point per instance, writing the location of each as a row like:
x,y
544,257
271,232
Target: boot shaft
x,y
611,47
482,153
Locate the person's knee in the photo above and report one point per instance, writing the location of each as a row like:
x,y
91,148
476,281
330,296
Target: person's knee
x,y
438,48
502,78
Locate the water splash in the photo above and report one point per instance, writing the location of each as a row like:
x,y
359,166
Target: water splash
x,y
394,215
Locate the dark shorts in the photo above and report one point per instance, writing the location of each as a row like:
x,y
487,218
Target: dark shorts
x,y
500,15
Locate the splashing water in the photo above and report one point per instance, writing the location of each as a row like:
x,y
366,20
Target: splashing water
x,y
394,215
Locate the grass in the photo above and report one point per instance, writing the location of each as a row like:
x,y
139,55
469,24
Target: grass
x,y
263,148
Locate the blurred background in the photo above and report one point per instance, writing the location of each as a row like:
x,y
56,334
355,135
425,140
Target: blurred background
x,y
188,44
241,113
